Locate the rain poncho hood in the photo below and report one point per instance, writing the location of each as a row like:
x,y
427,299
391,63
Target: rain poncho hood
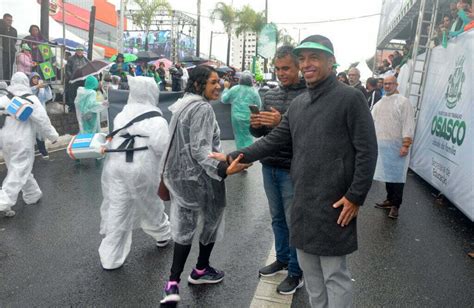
x,y
17,139
394,120
143,90
190,175
241,96
91,83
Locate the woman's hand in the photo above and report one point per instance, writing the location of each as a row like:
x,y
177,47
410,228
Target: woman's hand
x,y
218,156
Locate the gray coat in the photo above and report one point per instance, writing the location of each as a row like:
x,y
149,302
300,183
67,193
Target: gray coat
x,y
334,155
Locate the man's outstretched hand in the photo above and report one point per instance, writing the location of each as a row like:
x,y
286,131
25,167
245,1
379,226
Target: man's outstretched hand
x,y
235,165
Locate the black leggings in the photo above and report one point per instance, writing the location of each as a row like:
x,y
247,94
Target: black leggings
x,y
180,255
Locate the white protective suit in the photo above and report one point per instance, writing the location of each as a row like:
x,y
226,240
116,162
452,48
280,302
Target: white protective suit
x,y
18,141
195,187
130,188
394,120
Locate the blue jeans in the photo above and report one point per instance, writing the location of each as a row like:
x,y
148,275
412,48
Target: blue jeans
x,y
279,190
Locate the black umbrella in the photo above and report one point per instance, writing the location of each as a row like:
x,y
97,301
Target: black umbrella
x,y
92,68
147,56
193,59
225,69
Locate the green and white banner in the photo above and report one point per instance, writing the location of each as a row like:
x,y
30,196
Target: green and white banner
x,y
443,149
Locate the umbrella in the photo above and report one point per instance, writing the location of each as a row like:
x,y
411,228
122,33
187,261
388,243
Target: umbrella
x,y
94,67
165,61
128,57
225,69
147,56
70,44
193,59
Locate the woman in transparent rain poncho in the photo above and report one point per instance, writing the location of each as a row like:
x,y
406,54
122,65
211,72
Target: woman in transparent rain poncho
x,y
129,188
17,142
88,108
195,181
241,96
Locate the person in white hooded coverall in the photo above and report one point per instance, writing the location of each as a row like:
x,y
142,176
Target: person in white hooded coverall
x,y
129,188
18,141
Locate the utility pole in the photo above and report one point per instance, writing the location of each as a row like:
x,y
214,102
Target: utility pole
x,y
265,61
210,46
120,28
91,33
198,35
44,22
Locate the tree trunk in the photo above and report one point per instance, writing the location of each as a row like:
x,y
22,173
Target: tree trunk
x,y
243,52
228,49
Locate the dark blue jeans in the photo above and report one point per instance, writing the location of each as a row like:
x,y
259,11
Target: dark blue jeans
x,y
41,147
279,190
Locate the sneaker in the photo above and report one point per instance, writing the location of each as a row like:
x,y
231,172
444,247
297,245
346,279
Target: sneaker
x,y
45,157
205,276
171,293
393,212
384,205
273,269
290,285
162,244
9,213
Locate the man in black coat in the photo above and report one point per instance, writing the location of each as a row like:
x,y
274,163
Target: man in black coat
x,y
334,154
176,75
374,94
8,45
354,80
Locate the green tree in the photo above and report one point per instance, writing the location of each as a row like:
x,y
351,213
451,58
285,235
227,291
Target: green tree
x,y
227,15
246,19
144,16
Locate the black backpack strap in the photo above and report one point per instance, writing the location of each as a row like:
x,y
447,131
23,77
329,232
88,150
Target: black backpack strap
x,y
10,95
146,115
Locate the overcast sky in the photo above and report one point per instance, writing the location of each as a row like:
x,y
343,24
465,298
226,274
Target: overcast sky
x,y
353,40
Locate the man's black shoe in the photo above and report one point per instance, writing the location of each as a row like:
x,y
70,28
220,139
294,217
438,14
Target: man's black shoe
x,y
384,205
290,285
273,269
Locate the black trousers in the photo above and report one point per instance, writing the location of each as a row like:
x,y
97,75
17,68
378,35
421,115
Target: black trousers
x,y
8,58
395,193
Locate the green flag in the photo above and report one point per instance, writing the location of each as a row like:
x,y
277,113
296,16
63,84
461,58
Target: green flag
x,y
47,70
45,51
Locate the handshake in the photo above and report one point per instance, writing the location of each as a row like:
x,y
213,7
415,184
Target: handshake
x,y
234,165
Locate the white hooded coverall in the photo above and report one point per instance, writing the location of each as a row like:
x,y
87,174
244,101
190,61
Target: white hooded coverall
x,y
18,144
130,188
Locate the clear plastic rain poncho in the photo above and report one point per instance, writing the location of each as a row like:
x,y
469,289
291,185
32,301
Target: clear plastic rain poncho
x,y
197,191
18,141
87,108
394,120
241,96
130,188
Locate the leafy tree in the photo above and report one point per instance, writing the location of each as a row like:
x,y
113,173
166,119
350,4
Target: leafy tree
x,y
283,38
227,15
144,16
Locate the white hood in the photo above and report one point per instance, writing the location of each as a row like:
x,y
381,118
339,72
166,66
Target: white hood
x,y
20,84
143,90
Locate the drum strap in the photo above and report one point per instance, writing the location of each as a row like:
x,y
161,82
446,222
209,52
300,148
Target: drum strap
x,y
143,116
127,146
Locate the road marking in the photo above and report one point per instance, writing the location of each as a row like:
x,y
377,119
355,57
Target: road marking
x,y
266,295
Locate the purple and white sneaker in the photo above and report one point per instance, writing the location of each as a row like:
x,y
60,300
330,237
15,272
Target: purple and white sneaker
x,y
171,293
206,276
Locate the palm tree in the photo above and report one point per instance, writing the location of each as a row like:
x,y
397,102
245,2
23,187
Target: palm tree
x,y
143,17
245,22
283,38
226,14
257,26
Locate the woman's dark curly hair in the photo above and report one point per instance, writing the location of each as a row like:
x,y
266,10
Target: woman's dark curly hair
x,y
198,79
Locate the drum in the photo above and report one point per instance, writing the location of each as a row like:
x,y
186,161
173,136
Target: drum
x,y
86,146
20,109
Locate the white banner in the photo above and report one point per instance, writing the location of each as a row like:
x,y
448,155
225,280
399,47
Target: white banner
x,y
443,149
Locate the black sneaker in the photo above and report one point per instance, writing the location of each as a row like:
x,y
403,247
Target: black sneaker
x,y
171,293
210,275
273,269
290,285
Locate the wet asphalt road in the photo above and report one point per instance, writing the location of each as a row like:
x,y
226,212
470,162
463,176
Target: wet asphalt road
x,y
48,252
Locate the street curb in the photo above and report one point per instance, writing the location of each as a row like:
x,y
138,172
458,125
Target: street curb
x,y
266,295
